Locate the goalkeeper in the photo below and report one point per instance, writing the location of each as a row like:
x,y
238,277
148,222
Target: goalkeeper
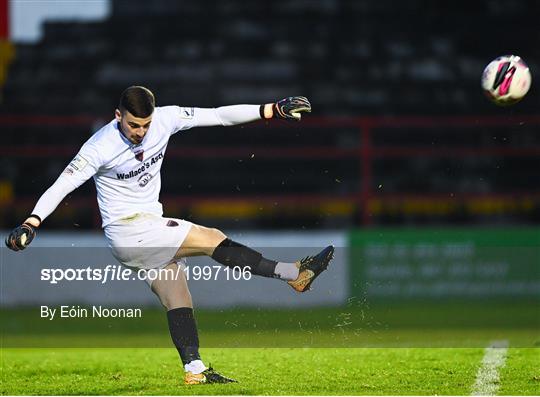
x,y
124,157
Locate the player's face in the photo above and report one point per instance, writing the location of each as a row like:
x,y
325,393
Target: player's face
x,y
133,128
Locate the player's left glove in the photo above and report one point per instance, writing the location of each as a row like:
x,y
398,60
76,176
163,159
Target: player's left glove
x,y
21,237
287,109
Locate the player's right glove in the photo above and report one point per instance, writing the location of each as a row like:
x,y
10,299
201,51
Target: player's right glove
x,y
289,108
21,237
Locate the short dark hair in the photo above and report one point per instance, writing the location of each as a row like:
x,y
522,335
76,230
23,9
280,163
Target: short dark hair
x,y
137,100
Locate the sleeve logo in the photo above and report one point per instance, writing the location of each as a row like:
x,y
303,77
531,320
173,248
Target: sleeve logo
x,y
78,163
187,113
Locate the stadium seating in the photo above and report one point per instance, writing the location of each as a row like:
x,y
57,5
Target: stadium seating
x,y
350,57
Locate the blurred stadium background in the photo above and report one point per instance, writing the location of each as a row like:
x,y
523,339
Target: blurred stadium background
x,y
429,190
400,135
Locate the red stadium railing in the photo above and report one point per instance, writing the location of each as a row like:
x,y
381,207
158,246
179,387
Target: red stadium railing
x,y
365,198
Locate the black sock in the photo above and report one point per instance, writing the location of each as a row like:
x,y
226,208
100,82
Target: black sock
x,y
266,268
184,333
232,254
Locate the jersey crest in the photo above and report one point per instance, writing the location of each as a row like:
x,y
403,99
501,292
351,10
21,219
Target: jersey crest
x,y
139,155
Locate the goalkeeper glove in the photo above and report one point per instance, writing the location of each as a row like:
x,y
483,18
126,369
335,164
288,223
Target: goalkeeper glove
x,y
286,109
22,235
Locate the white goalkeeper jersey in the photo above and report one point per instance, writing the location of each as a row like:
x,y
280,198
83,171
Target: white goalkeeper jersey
x,y
128,175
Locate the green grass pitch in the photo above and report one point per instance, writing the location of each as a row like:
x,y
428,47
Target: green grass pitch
x,y
277,371
328,351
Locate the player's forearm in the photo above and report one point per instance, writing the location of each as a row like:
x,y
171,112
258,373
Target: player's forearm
x,y
50,200
289,108
228,115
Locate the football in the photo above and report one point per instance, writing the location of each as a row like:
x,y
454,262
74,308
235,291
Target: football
x,y
506,80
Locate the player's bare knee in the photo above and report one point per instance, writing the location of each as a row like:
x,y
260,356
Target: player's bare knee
x,y
184,301
217,237
173,298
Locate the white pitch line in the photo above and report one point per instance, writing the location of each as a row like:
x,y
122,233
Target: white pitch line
x,y
487,378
